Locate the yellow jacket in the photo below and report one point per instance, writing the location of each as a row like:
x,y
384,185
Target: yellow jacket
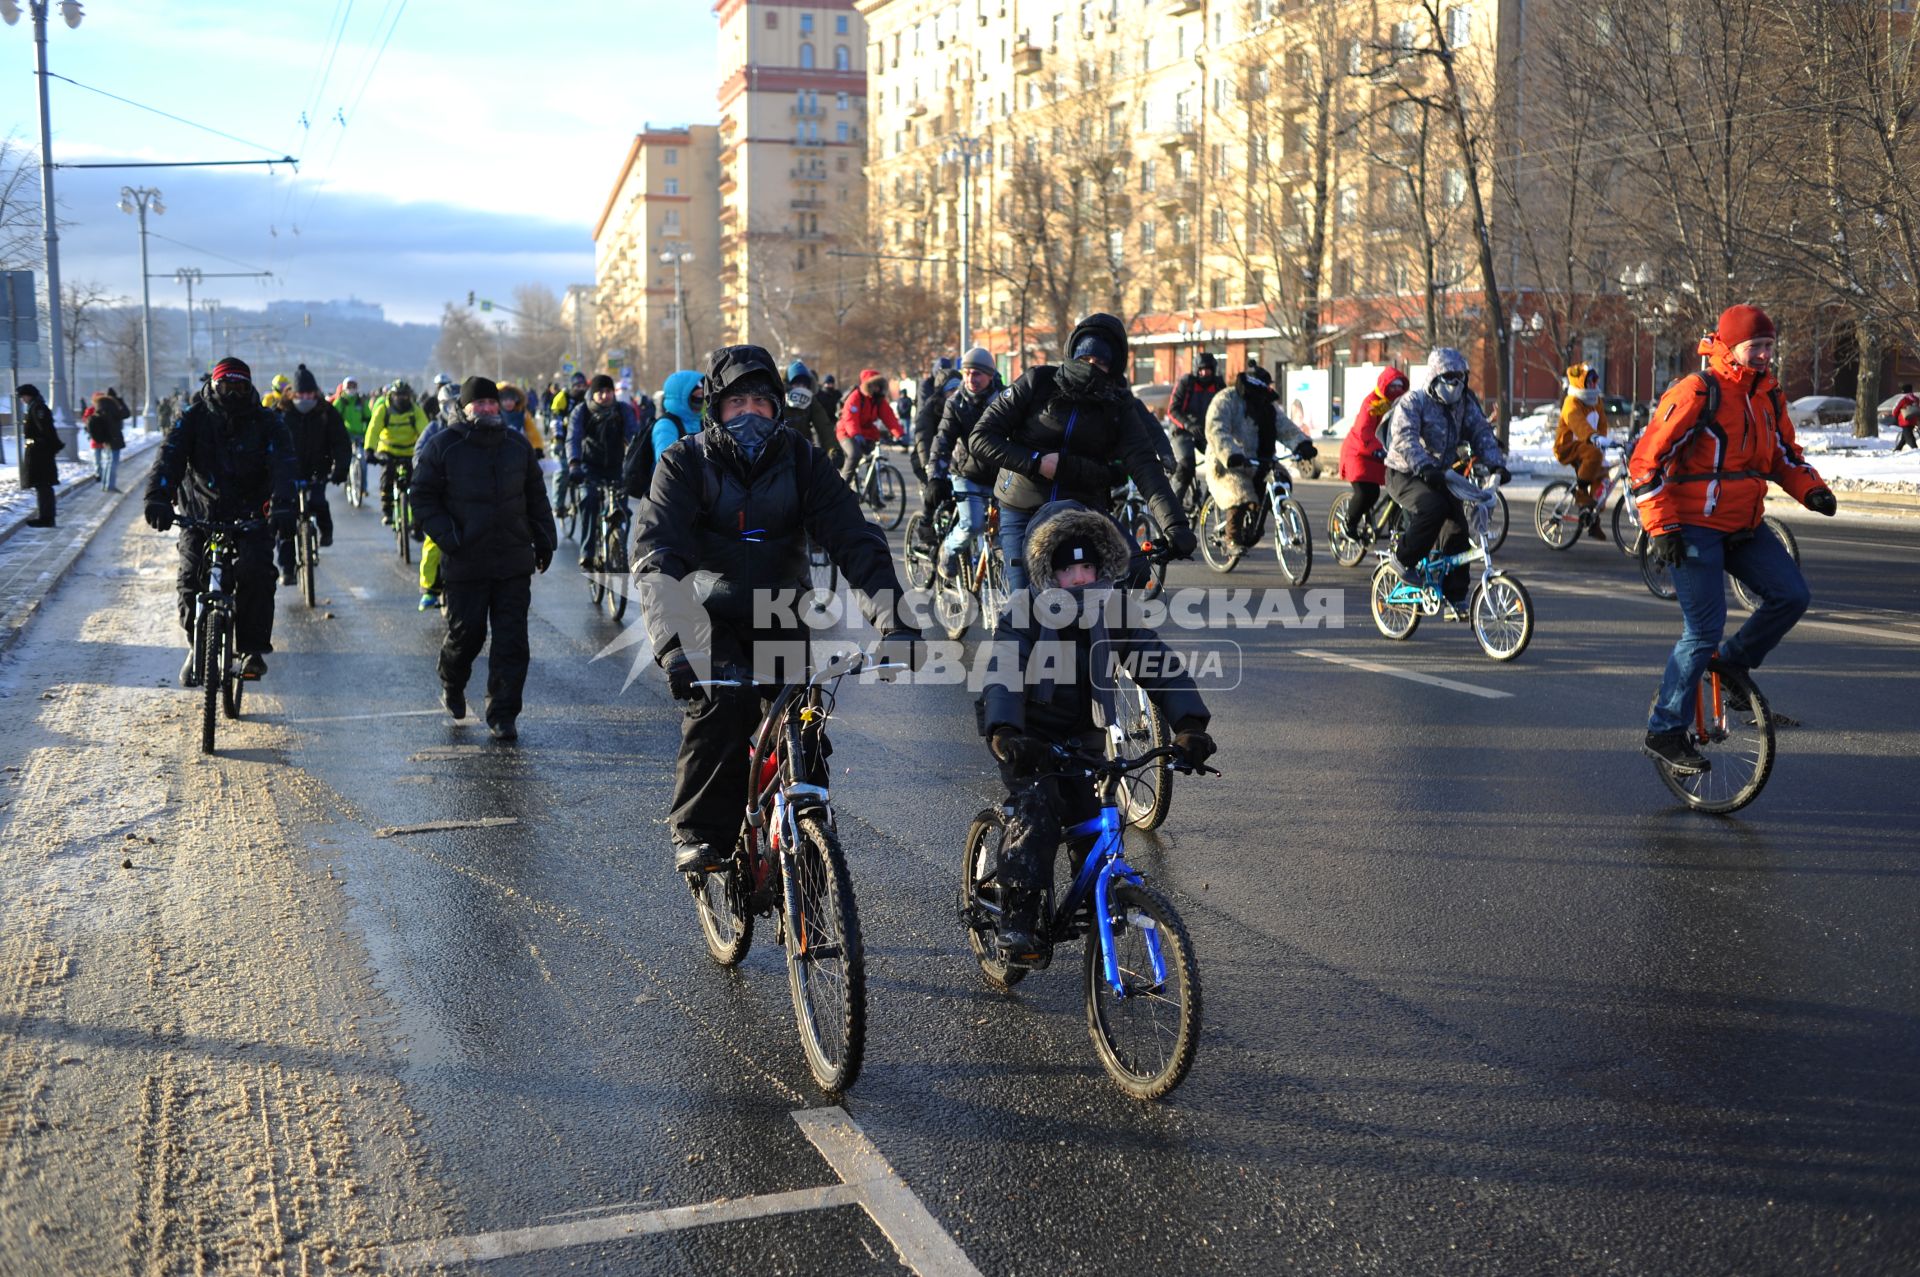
x,y
1580,421
395,433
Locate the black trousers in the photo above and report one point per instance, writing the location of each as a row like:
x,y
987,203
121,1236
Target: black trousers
x,y
710,775
1906,439
1042,811
1430,512
475,609
252,586
1364,496
1185,453
43,493
387,473
322,519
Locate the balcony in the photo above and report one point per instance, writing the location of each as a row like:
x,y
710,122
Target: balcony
x,y
1177,195
1179,7
1028,59
809,141
1182,135
916,109
806,203
808,174
804,111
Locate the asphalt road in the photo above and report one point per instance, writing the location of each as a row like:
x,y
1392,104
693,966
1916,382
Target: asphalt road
x,y
1479,996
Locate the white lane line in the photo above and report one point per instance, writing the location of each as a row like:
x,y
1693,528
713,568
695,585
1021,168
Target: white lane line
x,y
923,1245
481,1247
360,592
1412,676
436,826
1853,629
361,718
1878,545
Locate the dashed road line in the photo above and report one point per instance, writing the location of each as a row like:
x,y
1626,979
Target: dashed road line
x,y
361,718
1412,676
1867,628
923,1245
437,826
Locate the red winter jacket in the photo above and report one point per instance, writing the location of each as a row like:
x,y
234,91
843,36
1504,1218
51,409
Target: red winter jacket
x,y
1362,454
861,416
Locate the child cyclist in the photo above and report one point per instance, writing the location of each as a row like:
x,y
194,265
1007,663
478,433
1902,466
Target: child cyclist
x,y
1056,694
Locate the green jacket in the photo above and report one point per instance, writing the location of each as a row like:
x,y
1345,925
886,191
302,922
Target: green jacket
x,y
354,413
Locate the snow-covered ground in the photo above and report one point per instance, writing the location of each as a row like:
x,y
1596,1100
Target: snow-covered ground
x,y
17,505
1861,464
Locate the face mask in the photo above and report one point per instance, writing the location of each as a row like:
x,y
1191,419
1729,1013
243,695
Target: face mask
x,y
233,396
403,403
1449,389
1590,396
751,431
1079,378
305,405
799,397
486,419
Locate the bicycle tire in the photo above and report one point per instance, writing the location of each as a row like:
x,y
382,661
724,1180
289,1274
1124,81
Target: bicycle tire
x,y
888,490
403,528
613,569
1654,572
977,860
308,552
830,1009
994,589
1293,542
1347,551
1214,549
1501,611
1785,533
1143,727
1145,530
1497,520
213,672
953,604
918,560
1396,621
1150,1070
1550,516
1739,745
233,688
720,903
1626,526
596,580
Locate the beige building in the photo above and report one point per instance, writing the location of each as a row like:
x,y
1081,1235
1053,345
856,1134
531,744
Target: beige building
x,y
793,134
665,201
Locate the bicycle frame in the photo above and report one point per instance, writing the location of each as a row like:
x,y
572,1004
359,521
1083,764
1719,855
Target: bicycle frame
x,y
1104,864
1477,502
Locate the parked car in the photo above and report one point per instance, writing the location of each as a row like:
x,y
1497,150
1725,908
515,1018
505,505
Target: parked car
x,y
1154,395
1884,413
1821,410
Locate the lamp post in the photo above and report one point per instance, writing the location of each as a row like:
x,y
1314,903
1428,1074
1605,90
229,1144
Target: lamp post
x,y
677,256
963,150
1633,282
56,372
188,275
140,199
1518,326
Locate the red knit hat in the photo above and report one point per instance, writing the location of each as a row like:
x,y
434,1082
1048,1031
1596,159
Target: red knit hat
x,y
1742,323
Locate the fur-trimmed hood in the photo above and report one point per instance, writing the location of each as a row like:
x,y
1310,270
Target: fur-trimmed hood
x,y
1058,520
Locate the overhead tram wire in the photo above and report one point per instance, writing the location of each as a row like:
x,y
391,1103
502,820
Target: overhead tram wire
x,y
352,112
178,119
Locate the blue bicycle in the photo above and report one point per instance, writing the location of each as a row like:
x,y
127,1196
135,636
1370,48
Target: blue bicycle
x,y
1499,607
1141,979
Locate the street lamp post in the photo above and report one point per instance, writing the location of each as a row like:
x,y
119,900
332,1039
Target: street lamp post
x,y
56,370
139,199
188,275
963,150
1633,282
677,256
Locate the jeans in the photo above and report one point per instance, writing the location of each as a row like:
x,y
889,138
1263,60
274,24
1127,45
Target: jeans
x,y
1013,544
1759,562
588,495
106,467
969,516
856,450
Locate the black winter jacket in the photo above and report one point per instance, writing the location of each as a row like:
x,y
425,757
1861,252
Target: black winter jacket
x,y
734,528
44,445
956,425
1187,408
321,448
927,416
477,492
226,468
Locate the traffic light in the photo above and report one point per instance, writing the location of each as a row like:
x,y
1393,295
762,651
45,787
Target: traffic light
x,y
469,297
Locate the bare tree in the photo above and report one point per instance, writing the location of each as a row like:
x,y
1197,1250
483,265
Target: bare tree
x,y
464,344
83,312
21,245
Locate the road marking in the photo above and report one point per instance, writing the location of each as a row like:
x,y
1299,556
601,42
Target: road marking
x,y
867,1181
361,718
360,592
1878,545
923,1245
1849,628
436,826
1412,676
481,1247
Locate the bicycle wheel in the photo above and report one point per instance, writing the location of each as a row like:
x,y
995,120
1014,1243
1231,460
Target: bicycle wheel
x,y
1497,520
821,570
720,902
1738,743
919,556
1655,572
1781,530
1220,555
572,516
613,569
596,581
825,964
980,898
1626,526
1146,1034
1147,795
1347,551
213,673
1145,530
1293,542
1395,620
994,589
233,688
887,494
1502,613
308,552
403,528
1556,516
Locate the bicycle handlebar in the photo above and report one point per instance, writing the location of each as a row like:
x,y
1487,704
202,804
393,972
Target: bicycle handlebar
x,y
219,525
1120,766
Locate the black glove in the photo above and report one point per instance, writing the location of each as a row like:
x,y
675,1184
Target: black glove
x,y
1503,474
577,473
919,467
1184,543
1669,548
1307,451
937,492
1433,476
1021,752
338,476
159,515
542,558
1195,747
1821,501
539,454
1236,460
901,646
680,677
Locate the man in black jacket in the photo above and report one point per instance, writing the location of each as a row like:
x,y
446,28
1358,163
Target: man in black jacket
x,y
1071,433
737,504
597,440
44,446
955,472
321,452
227,460
934,393
477,492
1187,419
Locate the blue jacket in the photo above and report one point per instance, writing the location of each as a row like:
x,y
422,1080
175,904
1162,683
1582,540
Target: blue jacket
x,y
586,446
677,418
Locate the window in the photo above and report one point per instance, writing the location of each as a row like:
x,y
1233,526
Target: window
x,y
842,59
1405,34
1219,225
1347,205
843,101
1256,152
1460,26
1257,287
1147,168
1356,57
1182,229
1116,119
672,156
806,57
1146,301
1116,244
670,223
1148,233
840,133
1401,118
840,24
773,20
672,186
1146,54
1456,188
1183,165
1217,294
840,166
1257,83
806,24
1217,160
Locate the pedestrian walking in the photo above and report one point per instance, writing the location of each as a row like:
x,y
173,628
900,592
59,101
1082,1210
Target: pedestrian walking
x,y
43,451
1906,415
106,430
477,492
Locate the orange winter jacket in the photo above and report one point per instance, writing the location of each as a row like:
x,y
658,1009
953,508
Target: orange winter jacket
x,y
1688,468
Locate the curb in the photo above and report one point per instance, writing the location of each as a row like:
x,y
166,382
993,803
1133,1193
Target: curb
x,y
11,628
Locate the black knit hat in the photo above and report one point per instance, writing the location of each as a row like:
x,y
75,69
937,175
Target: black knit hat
x,y
599,383
476,388
1072,550
304,382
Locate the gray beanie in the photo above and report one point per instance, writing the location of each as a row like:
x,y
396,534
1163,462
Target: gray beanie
x,y
979,357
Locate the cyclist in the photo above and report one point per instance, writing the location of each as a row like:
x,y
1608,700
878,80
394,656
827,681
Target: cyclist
x,y
597,439
1700,474
1071,432
355,412
683,402
514,411
321,452
275,400
806,409
560,409
1187,420
934,391
953,464
1580,440
479,495
227,459
1363,454
737,504
1064,660
393,430
830,392
1244,427
862,417
1425,431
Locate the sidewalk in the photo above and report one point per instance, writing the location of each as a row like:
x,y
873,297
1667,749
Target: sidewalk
x,y
33,560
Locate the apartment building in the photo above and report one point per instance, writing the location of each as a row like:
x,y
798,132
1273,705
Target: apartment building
x,y
665,202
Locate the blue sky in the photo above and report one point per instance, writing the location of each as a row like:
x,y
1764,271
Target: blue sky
x,y
479,155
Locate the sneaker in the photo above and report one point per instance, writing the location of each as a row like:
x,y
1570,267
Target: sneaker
x,y
326,539
1454,611
455,701
1020,946
504,730
187,676
37,523
1406,574
1676,752
287,577
386,518
1736,697
1594,530
1352,530
253,667
429,600
697,858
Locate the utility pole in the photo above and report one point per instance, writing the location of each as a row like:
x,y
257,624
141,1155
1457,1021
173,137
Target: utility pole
x,y
963,150
677,256
189,276
141,199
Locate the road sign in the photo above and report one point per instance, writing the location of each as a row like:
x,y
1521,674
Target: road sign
x,y
19,316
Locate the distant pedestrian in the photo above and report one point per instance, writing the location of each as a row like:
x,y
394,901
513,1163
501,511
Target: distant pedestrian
x,y
1906,415
477,491
106,429
43,449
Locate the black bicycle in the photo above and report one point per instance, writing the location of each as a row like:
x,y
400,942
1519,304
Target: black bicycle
x,y
607,579
216,654
306,545
403,506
